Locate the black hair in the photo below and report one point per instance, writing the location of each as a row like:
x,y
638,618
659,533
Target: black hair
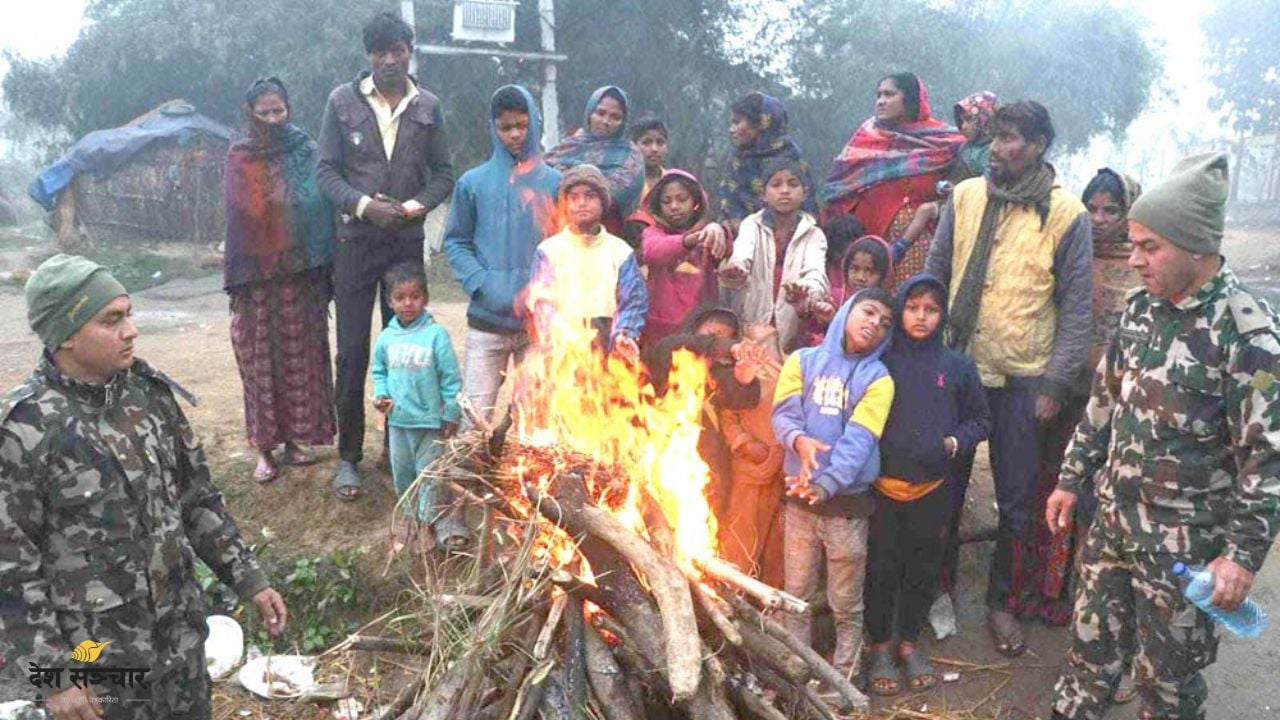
x,y
750,106
384,30
792,165
909,84
616,94
406,272
1029,118
645,124
509,99
841,230
722,316
878,294
695,190
1106,181
876,249
266,86
931,289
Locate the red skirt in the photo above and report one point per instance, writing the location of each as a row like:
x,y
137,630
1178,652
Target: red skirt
x,y
280,335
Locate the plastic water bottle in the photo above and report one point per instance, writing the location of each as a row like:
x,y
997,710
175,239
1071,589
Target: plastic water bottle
x,y
1248,620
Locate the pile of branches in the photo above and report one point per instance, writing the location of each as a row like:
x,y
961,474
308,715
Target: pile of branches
x,y
635,638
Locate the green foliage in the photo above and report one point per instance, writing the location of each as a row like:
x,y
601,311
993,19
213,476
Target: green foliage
x,y
1087,64
1245,56
320,593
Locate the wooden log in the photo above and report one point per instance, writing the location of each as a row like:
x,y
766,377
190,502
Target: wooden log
x,y
759,647
753,705
716,611
621,594
543,645
770,597
853,699
670,588
403,699
440,700
529,696
794,701
607,682
575,657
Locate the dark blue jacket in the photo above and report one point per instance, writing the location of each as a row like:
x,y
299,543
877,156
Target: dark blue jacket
x,y
937,393
500,211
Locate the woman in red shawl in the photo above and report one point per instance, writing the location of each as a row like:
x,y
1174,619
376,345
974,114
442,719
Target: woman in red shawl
x,y
892,166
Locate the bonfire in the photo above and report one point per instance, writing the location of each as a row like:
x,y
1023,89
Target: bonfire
x,y
595,588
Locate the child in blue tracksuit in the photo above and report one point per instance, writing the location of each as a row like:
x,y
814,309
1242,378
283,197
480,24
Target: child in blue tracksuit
x,y
416,383
939,411
829,410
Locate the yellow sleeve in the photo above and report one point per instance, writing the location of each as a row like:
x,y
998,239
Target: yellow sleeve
x,y
872,411
790,380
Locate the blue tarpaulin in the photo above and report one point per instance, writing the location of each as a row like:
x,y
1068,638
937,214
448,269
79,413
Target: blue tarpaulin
x,y
102,152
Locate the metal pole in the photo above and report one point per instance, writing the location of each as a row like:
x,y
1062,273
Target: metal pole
x,y
406,14
550,101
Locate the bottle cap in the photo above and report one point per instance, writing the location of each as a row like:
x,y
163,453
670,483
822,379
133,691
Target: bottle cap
x,y
1179,568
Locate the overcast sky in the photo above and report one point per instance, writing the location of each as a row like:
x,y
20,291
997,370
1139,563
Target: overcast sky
x,y
48,27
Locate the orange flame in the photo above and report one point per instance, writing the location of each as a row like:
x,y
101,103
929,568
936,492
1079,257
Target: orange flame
x,y
571,397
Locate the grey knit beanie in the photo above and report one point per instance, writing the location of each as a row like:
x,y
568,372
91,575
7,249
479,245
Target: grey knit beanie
x,y
585,175
1189,207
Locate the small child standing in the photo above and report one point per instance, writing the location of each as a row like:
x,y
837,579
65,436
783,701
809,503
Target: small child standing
x,y
939,410
587,273
751,534
778,263
416,381
829,411
680,250
866,263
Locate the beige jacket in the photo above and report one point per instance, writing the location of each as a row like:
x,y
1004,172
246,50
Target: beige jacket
x,y
754,251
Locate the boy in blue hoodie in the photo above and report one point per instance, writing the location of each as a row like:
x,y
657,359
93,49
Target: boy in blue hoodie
x,y
500,211
416,385
829,410
939,410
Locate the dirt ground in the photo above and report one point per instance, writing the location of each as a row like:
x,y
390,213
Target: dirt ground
x,y
184,326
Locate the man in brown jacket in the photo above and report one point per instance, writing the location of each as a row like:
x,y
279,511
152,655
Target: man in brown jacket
x,y
384,162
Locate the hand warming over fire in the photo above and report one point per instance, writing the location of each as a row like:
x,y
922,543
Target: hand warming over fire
x,y
795,292
748,358
808,448
626,348
801,487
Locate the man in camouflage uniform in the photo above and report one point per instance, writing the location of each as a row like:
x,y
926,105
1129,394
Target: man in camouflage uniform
x,y
1182,438
105,504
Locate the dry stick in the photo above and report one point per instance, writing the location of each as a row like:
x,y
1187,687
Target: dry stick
x,y
668,585
769,596
403,699
508,700
717,611
754,705
854,700
543,645
369,643
441,699
794,694
606,679
816,703
991,694
529,696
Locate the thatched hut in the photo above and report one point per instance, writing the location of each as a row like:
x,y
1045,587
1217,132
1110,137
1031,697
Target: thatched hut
x,y
158,177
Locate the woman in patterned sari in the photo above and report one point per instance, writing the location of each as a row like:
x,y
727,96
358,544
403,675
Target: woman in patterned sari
x,y
277,273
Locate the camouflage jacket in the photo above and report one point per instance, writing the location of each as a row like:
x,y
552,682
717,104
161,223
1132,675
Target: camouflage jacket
x,y
1182,430
105,501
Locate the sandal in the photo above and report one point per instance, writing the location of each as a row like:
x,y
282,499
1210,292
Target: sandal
x,y
883,674
263,474
1006,633
346,482
921,675
1127,690
294,455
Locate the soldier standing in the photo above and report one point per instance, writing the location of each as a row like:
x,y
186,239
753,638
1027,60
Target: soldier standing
x,y
105,504
1182,439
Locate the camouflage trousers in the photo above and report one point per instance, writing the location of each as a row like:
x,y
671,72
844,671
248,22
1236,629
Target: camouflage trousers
x,y
1127,599
180,694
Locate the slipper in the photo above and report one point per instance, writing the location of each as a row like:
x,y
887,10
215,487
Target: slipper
x,y
883,674
1006,633
346,482
298,456
264,474
921,675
